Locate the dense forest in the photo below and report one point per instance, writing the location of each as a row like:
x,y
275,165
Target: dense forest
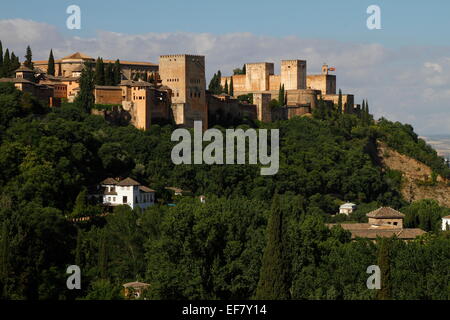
x,y
256,236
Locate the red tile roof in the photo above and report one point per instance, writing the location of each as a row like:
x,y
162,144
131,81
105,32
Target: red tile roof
x,y
385,213
128,182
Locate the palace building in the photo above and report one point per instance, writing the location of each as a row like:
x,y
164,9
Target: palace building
x,y
178,92
72,65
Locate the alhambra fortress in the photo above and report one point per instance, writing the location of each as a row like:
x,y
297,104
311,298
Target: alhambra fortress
x,y
178,90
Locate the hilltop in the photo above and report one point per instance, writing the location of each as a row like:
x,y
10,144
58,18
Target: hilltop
x,y
417,177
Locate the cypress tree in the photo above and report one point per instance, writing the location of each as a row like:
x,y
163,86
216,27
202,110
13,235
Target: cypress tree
x,y
367,110
117,72
384,263
280,95
78,247
15,62
51,64
340,102
29,59
231,89
225,89
273,280
99,72
244,69
102,256
145,77
4,253
109,75
13,65
212,83
7,64
219,88
80,204
1,59
85,98
363,107
362,112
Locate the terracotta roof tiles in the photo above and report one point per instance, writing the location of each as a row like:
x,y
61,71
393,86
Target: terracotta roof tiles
x,y
384,213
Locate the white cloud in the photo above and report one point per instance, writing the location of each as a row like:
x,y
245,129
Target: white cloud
x,y
435,67
405,84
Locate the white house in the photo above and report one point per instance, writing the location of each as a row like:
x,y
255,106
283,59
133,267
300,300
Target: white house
x,y
127,191
445,223
347,208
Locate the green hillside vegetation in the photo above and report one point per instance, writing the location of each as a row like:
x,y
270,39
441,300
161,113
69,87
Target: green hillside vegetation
x,y
50,158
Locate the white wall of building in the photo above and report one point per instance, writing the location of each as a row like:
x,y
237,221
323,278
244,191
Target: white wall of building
x,y
445,221
128,195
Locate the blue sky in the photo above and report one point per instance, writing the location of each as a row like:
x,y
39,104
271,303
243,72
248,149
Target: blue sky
x,y
404,21
403,69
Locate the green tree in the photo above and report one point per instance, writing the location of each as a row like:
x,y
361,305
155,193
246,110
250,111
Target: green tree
x,y
384,262
281,96
109,75
4,260
103,256
225,89
85,98
15,64
231,90
81,204
104,290
51,64
339,104
1,59
273,281
117,72
214,85
7,64
99,72
29,59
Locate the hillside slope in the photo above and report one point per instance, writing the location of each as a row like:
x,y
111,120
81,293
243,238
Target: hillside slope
x,y
417,177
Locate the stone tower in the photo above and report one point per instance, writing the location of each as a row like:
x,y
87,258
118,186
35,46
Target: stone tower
x,y
257,76
293,74
185,76
262,102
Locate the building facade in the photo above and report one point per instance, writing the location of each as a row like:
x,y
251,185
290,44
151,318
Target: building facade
x,y
67,66
384,222
446,223
185,76
347,208
126,192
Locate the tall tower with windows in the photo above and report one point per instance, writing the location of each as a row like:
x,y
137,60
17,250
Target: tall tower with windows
x,y
185,75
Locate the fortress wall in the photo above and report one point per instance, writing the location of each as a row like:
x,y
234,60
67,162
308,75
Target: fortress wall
x,y
274,82
293,74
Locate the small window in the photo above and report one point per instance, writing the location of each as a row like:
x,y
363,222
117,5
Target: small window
x,y
125,199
